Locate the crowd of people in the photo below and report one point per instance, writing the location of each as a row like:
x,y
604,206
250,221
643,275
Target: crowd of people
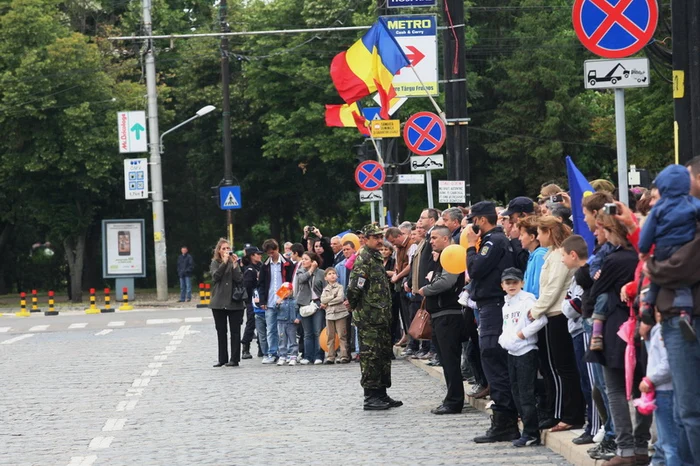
x,y
560,332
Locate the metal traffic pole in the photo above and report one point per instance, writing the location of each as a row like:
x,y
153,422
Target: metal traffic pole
x,y
621,132
373,217
429,182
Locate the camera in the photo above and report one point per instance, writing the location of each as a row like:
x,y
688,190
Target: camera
x,y
610,209
230,253
557,198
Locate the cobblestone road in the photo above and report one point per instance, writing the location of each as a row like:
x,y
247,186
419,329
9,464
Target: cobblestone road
x,y
149,396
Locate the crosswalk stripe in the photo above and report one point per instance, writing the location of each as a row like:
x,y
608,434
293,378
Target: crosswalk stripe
x,y
78,325
39,328
5,329
82,460
17,338
118,323
104,332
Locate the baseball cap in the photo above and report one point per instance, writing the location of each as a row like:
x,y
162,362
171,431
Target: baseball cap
x,y
521,205
252,250
512,273
481,209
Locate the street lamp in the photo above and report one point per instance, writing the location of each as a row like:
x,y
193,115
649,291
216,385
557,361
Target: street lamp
x,y
157,197
200,113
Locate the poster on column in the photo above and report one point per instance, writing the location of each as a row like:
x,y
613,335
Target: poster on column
x,y
417,36
123,251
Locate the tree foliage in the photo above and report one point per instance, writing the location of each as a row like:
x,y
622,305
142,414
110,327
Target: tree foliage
x,y
62,81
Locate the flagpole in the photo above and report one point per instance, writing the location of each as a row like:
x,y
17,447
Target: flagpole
x,y
381,162
432,101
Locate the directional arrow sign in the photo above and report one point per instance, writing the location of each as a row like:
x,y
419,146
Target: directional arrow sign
x,y
137,128
130,125
417,35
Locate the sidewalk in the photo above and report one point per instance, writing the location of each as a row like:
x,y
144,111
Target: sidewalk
x,y
559,442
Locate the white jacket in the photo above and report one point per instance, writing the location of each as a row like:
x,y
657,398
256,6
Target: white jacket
x,y
515,320
571,307
554,279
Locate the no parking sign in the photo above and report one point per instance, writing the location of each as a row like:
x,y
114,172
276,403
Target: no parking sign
x,y
424,133
615,28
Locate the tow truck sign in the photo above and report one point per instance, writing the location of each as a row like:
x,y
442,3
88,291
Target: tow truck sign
x,y
616,74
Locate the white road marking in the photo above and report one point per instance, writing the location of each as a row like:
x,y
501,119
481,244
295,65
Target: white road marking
x,y
149,373
155,365
170,348
161,357
134,392
127,405
141,383
17,338
79,325
104,332
39,328
193,319
82,460
114,424
99,443
5,329
118,323
163,321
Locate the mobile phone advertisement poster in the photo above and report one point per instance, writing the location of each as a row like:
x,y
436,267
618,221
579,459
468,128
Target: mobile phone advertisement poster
x,y
123,248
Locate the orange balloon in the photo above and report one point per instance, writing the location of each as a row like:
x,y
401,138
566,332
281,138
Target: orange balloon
x,y
352,237
323,340
463,241
454,259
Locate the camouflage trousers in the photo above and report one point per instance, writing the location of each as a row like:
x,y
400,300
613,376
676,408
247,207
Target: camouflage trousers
x,y
375,356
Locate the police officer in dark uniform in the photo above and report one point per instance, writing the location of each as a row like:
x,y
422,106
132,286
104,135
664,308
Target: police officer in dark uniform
x,y
518,208
485,267
370,301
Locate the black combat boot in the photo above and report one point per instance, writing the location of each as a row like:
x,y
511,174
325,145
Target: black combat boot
x,y
504,428
373,400
392,402
246,351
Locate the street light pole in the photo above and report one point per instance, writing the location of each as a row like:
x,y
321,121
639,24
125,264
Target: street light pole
x,y
201,112
155,161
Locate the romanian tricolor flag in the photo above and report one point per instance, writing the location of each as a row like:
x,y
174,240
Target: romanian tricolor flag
x,y
346,116
369,66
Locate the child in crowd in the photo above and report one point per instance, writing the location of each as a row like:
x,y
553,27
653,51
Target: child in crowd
x,y
658,380
288,319
670,224
519,338
574,256
601,302
332,300
260,323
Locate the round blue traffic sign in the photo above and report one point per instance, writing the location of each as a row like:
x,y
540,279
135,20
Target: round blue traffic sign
x,y
424,133
370,175
615,28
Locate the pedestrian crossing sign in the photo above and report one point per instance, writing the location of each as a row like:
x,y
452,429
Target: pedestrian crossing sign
x,y
230,197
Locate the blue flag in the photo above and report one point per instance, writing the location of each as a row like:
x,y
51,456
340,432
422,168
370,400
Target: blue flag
x,y
579,187
388,219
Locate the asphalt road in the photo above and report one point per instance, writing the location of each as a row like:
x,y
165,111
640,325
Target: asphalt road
x,y
138,388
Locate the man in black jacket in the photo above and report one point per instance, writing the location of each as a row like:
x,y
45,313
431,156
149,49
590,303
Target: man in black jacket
x,y
185,267
276,270
485,267
441,297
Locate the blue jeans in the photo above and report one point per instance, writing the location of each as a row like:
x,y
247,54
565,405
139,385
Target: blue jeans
x,y
599,383
185,288
312,330
666,426
288,346
261,329
272,336
684,360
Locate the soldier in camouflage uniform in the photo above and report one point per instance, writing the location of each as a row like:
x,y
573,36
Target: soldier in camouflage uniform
x,y
370,300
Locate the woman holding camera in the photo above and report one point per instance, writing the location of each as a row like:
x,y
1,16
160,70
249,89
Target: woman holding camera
x,y
226,277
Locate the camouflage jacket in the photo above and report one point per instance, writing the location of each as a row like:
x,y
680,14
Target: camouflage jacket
x,y
368,290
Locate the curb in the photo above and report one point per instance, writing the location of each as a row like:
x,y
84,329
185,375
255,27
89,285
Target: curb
x,y
558,442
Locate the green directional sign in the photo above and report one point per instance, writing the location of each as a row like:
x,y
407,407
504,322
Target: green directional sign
x,y
131,129
137,128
